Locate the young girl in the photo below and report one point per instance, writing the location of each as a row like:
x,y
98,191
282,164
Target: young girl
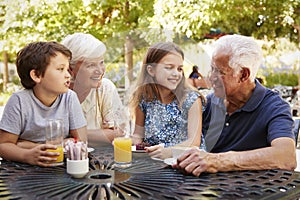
x,y
167,110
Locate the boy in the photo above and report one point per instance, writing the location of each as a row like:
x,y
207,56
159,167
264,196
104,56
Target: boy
x,y
43,70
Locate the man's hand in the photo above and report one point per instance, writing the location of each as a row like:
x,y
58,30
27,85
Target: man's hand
x,y
194,161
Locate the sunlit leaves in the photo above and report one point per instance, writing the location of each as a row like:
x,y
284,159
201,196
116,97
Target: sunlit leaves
x,y
23,21
259,18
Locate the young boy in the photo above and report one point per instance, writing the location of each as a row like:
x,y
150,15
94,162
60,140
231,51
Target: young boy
x,y
43,70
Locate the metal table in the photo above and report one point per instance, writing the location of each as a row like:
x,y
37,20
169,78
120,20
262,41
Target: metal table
x,y
145,179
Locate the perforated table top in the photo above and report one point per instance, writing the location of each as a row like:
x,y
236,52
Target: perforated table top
x,y
144,179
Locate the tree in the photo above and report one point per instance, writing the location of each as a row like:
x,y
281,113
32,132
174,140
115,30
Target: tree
x,y
261,19
258,18
24,21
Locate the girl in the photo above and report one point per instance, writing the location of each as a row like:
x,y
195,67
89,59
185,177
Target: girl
x,y
167,110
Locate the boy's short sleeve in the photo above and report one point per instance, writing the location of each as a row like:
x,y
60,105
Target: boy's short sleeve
x,y
12,118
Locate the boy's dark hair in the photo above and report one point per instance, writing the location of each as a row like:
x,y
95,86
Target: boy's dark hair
x,y
37,55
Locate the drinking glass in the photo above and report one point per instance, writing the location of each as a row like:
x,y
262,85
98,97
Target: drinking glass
x,y
123,141
122,151
55,136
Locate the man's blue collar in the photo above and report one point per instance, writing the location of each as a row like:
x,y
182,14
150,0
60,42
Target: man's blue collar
x,y
254,101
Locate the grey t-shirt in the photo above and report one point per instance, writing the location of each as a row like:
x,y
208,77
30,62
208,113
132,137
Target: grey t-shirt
x,y
26,116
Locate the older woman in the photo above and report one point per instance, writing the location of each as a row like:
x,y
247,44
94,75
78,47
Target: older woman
x,y
98,96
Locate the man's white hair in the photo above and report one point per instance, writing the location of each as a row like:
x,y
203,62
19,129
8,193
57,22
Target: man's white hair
x,y
243,51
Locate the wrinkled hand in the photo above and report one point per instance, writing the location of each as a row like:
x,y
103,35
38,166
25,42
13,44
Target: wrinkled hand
x,y
158,151
39,156
194,161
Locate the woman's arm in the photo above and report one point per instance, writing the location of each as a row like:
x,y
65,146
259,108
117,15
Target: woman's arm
x,y
101,135
80,134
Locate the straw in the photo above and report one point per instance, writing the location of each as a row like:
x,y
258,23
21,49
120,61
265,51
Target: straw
x,y
76,150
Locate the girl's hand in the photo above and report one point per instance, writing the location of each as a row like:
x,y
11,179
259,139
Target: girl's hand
x,y
158,151
39,156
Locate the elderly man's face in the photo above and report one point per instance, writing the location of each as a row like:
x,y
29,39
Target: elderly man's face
x,y
223,79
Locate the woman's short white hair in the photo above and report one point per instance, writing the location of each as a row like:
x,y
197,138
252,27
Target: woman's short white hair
x,y
243,51
83,46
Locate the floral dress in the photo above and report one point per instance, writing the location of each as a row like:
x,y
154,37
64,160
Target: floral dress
x,y
167,123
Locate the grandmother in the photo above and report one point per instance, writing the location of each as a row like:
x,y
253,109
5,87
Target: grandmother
x,y
98,95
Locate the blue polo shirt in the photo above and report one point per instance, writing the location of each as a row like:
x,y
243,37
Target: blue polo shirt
x,y
265,117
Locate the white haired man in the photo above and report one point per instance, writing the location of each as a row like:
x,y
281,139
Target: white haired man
x,y
246,126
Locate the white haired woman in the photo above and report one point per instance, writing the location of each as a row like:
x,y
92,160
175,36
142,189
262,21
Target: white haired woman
x,y
98,96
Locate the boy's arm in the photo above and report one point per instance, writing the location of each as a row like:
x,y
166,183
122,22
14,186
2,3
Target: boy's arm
x,y
26,144
9,150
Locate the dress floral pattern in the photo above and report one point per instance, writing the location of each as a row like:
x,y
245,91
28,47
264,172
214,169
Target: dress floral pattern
x,y
167,123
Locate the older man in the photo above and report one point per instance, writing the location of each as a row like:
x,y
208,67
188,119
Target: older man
x,y
246,126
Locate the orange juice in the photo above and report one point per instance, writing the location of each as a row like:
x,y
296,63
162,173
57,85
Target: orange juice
x,y
122,150
60,150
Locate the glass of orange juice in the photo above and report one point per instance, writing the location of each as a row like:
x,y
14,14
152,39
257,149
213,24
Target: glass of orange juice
x,y
55,136
122,151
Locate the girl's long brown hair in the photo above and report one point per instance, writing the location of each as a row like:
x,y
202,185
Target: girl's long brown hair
x,y
146,87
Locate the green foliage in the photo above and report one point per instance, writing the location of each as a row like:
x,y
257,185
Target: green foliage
x,y
24,21
146,22
116,73
279,68
4,98
286,79
11,88
257,18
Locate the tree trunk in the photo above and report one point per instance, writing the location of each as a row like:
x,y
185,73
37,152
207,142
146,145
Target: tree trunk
x,y
129,60
5,71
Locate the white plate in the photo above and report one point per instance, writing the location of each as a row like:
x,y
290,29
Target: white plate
x,y
158,159
90,149
170,161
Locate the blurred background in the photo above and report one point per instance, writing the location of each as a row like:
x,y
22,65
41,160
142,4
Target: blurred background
x,y
128,27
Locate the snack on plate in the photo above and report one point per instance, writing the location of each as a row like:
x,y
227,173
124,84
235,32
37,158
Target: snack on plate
x,y
141,146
